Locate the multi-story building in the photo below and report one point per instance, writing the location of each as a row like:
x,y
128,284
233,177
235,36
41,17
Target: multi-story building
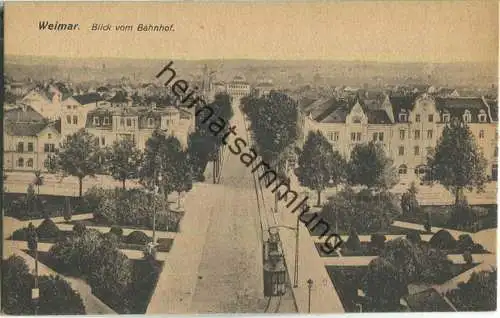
x,y
237,89
74,111
28,139
46,100
408,127
110,124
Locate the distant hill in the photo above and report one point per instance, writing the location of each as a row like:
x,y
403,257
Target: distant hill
x,y
333,72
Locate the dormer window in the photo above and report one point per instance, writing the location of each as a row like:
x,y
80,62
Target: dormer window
x,y
446,117
106,120
356,120
96,121
482,116
467,116
403,117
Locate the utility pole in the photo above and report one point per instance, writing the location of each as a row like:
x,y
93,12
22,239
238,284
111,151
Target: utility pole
x,y
296,267
309,286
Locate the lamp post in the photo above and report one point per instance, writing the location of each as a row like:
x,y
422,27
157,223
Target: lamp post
x,y
309,286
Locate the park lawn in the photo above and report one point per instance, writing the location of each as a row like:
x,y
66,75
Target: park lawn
x,y
98,222
428,301
442,213
145,275
54,205
165,244
348,279
365,250
392,230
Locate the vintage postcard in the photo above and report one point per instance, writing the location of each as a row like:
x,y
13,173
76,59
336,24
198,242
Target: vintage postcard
x,y
249,157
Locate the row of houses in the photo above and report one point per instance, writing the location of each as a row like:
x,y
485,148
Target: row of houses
x,y
408,127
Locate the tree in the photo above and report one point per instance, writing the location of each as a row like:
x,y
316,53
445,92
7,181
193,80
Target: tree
x,y
68,211
79,228
16,287
202,146
181,177
58,298
478,294
123,160
409,202
369,166
382,285
353,242
161,157
457,163
77,156
273,123
319,165
364,211
38,181
31,202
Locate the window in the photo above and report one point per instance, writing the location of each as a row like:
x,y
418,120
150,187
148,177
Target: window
x,y
68,120
353,136
75,107
481,134
68,107
378,136
49,136
429,134
49,148
29,162
129,122
20,147
106,120
336,136
96,121
75,120
417,134
356,120
446,117
402,134
122,122
358,136
403,169
20,162
495,153
467,116
403,117
416,150
30,147
482,116
417,118
103,141
431,118
151,122
401,150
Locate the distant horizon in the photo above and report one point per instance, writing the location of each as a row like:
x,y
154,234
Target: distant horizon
x,y
245,59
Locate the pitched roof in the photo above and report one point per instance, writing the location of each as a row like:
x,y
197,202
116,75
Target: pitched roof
x,y
18,114
377,116
24,128
400,103
458,105
88,98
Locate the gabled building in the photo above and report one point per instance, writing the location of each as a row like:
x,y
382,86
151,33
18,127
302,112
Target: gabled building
x,y
28,139
74,111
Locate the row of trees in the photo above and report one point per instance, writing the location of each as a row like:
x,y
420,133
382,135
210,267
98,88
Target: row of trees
x,y
457,163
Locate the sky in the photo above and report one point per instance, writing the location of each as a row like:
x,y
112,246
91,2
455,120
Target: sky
x,y
390,31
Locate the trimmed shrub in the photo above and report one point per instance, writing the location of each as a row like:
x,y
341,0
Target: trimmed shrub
x,y
377,241
465,242
20,234
137,237
79,228
443,240
353,242
48,229
118,231
414,237
468,257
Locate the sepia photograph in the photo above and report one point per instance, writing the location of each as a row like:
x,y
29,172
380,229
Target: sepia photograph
x,y
249,157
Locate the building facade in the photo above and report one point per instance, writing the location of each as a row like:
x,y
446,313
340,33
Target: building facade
x,y
408,127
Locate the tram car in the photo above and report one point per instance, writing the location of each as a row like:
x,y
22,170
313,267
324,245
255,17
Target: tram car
x,y
274,267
